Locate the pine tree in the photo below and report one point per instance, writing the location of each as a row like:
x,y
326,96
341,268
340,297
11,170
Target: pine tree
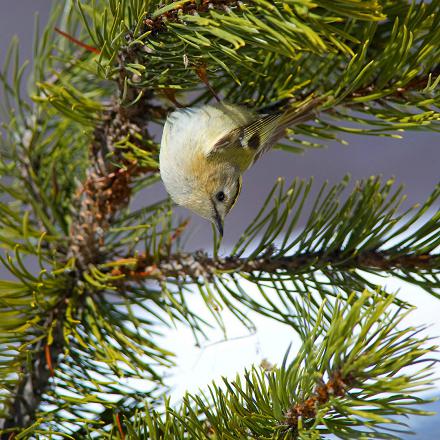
x,y
77,150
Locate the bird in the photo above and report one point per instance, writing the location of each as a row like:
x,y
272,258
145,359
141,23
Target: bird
x,y
205,150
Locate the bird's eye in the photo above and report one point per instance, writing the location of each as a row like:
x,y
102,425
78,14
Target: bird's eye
x,y
220,196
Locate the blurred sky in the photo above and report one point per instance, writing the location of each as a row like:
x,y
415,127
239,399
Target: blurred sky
x,y
414,161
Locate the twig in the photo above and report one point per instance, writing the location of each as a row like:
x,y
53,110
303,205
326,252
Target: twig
x,y
77,42
194,266
118,423
336,386
157,23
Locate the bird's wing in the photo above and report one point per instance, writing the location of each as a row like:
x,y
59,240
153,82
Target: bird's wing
x,y
252,135
261,134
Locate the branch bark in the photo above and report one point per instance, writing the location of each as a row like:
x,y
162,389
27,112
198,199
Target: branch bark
x,y
194,266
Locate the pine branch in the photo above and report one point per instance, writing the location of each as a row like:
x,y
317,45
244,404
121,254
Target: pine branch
x,y
343,241
416,84
336,384
379,241
33,336
199,265
335,387
35,377
103,195
172,13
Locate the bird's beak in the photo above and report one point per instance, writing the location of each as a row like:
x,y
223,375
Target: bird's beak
x,y
219,224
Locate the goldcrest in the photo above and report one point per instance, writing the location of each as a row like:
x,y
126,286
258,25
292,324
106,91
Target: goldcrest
x,y
205,150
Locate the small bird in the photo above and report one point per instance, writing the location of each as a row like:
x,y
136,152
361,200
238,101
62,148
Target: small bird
x,y
205,150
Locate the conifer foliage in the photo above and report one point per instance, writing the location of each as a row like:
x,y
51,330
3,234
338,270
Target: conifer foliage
x,y
92,280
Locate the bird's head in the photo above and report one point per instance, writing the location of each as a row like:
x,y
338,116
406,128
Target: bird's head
x,y
209,190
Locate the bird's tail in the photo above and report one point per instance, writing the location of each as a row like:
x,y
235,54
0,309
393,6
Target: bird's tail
x,y
285,119
307,110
